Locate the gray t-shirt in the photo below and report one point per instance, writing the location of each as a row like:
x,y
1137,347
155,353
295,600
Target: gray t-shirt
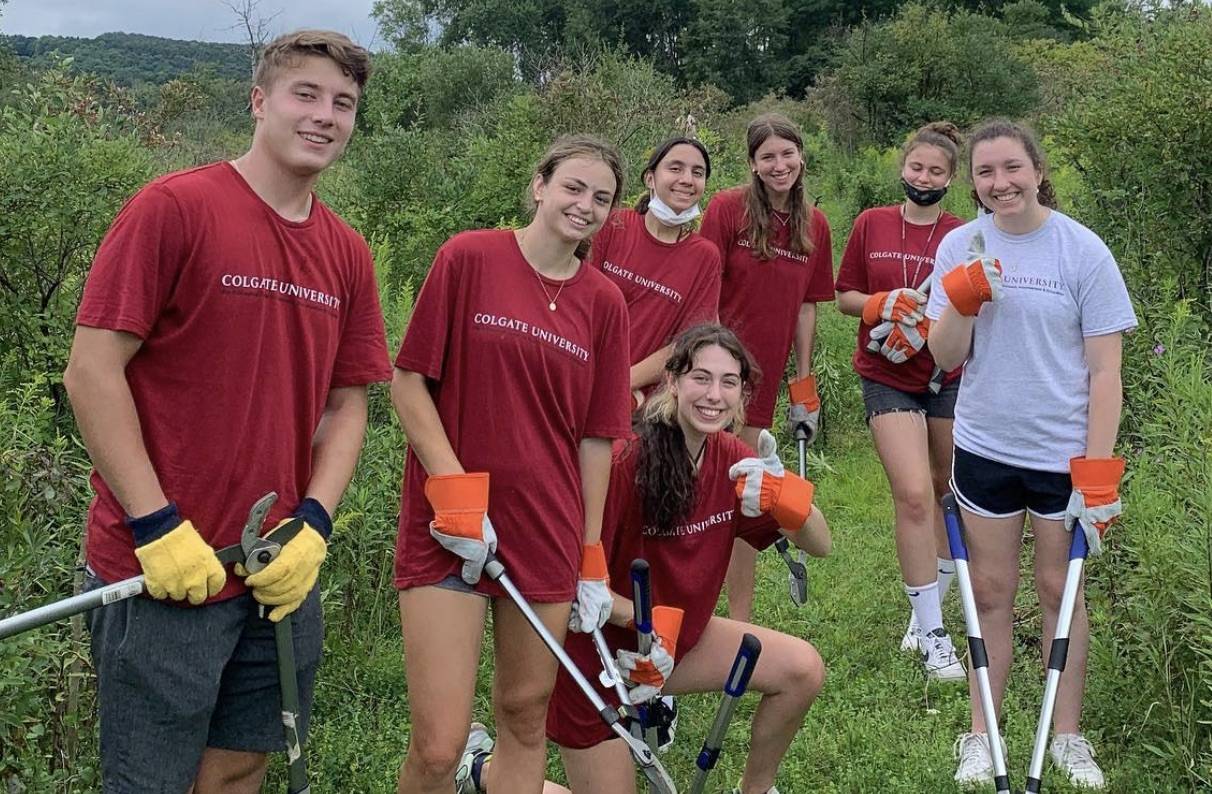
x,y
1025,394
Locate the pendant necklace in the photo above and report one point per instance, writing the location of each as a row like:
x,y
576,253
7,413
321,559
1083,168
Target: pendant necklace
x,y
912,284
551,302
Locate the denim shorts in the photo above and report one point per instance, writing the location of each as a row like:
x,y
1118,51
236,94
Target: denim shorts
x,y
173,680
880,399
999,490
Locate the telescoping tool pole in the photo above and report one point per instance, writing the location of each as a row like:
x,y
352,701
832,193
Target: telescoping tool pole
x,y
65,608
976,642
658,779
641,600
734,687
1059,654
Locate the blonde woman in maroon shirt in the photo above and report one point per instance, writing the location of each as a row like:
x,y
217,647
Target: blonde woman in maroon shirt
x,y
910,404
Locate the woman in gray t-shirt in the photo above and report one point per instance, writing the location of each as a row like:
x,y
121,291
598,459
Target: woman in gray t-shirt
x,y
1033,305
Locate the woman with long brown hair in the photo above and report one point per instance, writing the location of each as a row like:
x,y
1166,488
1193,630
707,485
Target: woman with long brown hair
x,y
778,264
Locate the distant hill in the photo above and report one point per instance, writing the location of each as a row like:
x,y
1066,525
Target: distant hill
x,y
130,58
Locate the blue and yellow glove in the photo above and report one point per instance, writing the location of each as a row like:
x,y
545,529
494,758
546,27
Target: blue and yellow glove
x,y
285,582
177,563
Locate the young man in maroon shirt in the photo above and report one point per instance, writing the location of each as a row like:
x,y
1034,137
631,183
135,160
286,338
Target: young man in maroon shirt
x,y
229,328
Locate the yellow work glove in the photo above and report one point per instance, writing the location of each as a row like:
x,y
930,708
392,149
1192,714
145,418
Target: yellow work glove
x,y
177,563
285,582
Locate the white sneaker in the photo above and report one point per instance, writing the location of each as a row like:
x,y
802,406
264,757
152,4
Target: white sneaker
x,y
939,659
1072,753
479,744
913,635
975,762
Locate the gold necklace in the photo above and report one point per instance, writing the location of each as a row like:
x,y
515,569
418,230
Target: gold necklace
x,y
551,302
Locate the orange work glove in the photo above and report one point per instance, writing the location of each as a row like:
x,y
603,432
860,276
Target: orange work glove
x,y
647,674
901,305
1095,499
804,408
763,486
460,519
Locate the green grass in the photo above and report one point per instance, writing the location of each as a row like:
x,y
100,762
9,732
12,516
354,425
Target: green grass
x,y
877,725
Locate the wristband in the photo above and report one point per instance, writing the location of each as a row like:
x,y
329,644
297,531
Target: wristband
x,y
315,516
154,526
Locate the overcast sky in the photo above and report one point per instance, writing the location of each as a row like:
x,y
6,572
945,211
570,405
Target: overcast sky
x,y
203,20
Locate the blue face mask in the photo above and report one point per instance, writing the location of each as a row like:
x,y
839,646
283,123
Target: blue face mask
x,y
665,214
923,198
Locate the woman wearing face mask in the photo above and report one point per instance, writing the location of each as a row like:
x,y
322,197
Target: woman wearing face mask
x,y
668,274
1033,305
910,405
510,384
778,264
673,500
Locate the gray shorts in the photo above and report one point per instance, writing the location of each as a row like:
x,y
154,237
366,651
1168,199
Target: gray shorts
x,y
880,399
173,681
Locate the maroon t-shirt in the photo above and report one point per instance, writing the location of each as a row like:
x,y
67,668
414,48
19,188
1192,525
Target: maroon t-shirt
x,y
248,320
687,565
517,388
760,299
668,286
876,260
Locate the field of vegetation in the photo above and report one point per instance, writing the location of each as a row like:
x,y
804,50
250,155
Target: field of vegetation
x,y
448,131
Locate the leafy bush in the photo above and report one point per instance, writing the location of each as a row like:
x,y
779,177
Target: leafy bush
x,y
925,63
1141,137
46,726
66,167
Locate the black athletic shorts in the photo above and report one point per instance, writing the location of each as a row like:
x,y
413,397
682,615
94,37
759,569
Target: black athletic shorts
x,y
999,490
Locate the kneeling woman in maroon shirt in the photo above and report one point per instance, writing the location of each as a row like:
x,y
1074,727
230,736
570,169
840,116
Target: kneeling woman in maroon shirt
x,y
673,501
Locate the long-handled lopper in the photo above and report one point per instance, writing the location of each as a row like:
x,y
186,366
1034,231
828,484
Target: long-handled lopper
x,y
254,553
611,677
641,600
658,779
734,687
976,642
1059,654
797,570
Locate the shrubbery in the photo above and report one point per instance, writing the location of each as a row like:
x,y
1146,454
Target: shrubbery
x,y
447,142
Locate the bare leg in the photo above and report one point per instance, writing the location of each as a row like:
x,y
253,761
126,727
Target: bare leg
x,y
230,772
901,441
789,675
993,545
739,581
606,768
442,634
525,676
1051,565
941,449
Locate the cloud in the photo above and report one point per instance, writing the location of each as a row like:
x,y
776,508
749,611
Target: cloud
x,y
202,20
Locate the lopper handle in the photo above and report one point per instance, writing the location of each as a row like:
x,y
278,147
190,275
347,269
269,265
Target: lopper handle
x,y
641,597
743,666
955,533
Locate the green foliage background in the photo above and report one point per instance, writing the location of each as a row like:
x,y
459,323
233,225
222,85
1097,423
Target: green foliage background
x,y
448,133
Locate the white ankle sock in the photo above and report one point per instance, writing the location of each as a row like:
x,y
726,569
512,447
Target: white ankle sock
x,y
925,602
946,573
